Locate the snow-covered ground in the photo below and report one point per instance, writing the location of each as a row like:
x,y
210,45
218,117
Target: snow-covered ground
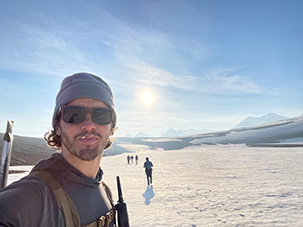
x,y
275,132
210,186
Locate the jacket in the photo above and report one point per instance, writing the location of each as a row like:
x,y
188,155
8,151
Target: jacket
x,y
31,202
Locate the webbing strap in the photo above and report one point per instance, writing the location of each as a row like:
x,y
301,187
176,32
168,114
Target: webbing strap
x,y
66,204
64,201
104,221
108,193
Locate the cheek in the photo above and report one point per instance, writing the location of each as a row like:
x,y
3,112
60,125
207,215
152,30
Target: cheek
x,y
67,128
105,129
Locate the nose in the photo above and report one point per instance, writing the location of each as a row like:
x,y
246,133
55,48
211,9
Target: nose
x,y
88,124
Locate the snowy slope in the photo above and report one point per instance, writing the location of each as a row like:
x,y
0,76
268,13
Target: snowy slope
x,y
253,121
277,132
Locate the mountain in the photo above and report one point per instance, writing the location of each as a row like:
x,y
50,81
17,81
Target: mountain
x,y
27,150
284,133
173,133
279,133
30,150
252,121
141,134
289,132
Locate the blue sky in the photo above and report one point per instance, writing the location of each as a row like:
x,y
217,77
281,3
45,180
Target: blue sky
x,y
209,64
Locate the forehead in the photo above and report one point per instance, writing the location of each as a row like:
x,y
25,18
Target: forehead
x,y
87,102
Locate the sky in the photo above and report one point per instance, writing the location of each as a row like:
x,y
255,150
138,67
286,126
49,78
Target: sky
x,y
209,64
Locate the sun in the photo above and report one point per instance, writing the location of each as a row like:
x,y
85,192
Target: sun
x,y
147,97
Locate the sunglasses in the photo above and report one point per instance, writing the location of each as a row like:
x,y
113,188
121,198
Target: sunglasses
x,y
77,114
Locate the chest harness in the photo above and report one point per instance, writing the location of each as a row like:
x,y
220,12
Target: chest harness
x,y
65,203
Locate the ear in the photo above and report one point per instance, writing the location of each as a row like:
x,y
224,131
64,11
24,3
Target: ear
x,y
113,131
58,130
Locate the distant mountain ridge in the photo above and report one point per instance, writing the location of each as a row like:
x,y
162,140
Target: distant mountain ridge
x,y
289,132
253,121
246,123
141,134
27,150
173,133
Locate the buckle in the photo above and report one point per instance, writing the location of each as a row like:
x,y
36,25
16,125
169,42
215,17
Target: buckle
x,y
105,220
101,221
111,215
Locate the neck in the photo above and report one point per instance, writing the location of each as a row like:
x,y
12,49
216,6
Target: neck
x,y
88,168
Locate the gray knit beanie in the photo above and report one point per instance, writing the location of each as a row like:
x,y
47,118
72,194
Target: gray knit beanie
x,y
84,85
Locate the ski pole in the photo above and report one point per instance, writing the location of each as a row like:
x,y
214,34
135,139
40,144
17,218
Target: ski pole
x,y
6,154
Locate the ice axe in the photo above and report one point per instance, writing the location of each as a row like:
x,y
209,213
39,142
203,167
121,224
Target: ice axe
x,y
6,154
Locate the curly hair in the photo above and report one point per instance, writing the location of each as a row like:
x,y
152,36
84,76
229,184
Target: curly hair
x,y
54,140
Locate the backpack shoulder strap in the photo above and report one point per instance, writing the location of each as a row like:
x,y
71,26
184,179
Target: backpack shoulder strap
x,y
108,193
105,220
65,203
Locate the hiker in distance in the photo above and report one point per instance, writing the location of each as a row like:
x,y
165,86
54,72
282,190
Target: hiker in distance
x,y
148,170
128,159
67,188
137,158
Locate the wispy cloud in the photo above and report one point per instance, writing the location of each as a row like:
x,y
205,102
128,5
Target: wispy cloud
x,y
146,73
217,81
227,81
142,52
43,50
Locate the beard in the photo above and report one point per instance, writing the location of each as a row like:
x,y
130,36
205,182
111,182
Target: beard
x,y
88,153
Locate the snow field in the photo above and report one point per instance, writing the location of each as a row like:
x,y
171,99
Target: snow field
x,y
210,186
213,186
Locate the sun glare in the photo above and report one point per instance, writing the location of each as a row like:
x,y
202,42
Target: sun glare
x,y
147,97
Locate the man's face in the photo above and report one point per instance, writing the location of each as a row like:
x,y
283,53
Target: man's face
x,y
86,140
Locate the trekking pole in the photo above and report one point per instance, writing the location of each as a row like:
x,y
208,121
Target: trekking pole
x,y
121,208
6,154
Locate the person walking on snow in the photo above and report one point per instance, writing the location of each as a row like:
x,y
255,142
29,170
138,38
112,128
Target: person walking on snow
x,y
128,158
136,159
132,159
148,170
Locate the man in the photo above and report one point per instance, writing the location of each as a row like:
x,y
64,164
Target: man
x,y
136,159
66,189
148,170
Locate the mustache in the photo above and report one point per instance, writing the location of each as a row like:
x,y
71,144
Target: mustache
x,y
86,133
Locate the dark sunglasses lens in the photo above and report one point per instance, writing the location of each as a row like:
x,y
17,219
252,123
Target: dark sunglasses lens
x,y
102,116
73,114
